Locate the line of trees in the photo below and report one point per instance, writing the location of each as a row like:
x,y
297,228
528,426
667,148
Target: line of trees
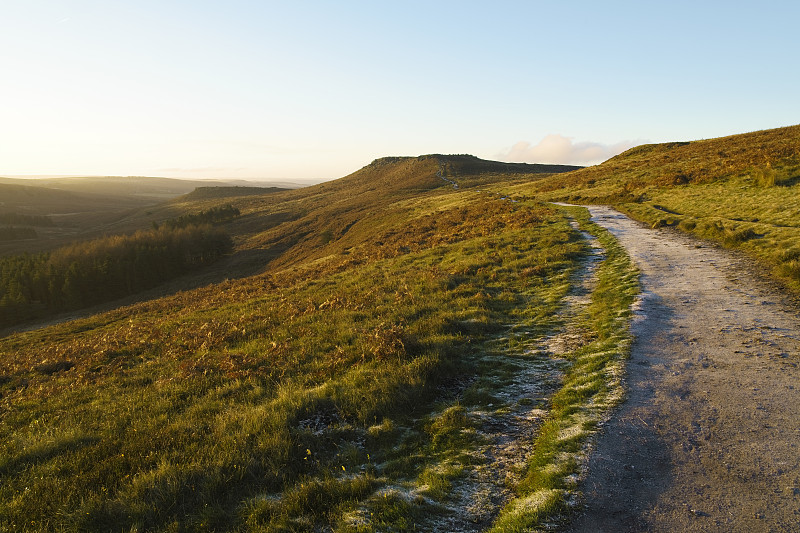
x,y
83,274
215,215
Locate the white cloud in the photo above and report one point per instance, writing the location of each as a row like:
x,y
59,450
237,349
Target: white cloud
x,y
557,149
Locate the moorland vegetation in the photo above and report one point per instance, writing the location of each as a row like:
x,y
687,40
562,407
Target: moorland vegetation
x,y
86,273
12,233
347,372
40,215
341,385
83,274
16,226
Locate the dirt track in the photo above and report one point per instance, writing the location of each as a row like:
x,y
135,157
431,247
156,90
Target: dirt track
x,y
709,436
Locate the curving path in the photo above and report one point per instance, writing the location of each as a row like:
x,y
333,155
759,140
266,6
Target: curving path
x,y
709,436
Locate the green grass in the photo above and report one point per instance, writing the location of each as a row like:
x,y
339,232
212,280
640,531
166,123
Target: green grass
x,y
736,213
591,387
319,393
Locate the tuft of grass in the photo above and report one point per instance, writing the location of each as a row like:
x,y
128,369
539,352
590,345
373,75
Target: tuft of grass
x,y
436,481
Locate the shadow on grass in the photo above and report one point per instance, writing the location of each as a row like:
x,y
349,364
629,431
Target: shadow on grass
x,y
43,453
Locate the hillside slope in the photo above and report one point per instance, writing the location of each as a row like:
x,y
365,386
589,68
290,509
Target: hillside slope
x,y
351,383
674,164
740,191
351,214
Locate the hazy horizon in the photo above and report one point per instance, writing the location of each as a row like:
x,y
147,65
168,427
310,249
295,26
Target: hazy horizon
x,y
213,178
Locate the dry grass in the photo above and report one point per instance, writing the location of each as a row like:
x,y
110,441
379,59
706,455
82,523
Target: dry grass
x,y
293,399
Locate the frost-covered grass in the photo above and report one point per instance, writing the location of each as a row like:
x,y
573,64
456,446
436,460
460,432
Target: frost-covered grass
x,y
591,387
335,392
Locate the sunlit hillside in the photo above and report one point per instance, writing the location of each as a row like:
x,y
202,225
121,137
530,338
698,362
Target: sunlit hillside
x,y
344,372
363,213
658,166
351,356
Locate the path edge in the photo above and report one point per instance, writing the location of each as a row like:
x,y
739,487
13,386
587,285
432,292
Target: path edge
x,y
593,385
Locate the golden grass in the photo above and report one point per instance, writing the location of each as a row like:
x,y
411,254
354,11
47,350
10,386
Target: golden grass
x,y
296,397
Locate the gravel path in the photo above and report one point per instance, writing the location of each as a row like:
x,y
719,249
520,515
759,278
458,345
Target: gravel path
x,y
709,436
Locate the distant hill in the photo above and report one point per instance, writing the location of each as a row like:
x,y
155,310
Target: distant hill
x,y
85,207
40,200
151,188
204,193
345,211
427,171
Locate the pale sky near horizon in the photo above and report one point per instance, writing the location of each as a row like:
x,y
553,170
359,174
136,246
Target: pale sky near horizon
x,y
312,90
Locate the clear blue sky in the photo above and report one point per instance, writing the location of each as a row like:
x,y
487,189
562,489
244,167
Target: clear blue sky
x,y
310,90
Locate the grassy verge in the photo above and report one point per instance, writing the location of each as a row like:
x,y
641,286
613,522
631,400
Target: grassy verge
x,y
592,385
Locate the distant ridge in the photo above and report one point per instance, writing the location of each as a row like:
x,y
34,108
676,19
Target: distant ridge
x,y
152,188
17,196
343,212
470,164
425,172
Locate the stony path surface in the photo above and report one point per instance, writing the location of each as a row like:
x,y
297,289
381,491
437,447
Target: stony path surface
x,y
709,436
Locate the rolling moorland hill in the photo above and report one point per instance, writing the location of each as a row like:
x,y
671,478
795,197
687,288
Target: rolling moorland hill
x,y
143,187
363,212
84,208
357,366
348,212
33,200
68,214
341,379
685,163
